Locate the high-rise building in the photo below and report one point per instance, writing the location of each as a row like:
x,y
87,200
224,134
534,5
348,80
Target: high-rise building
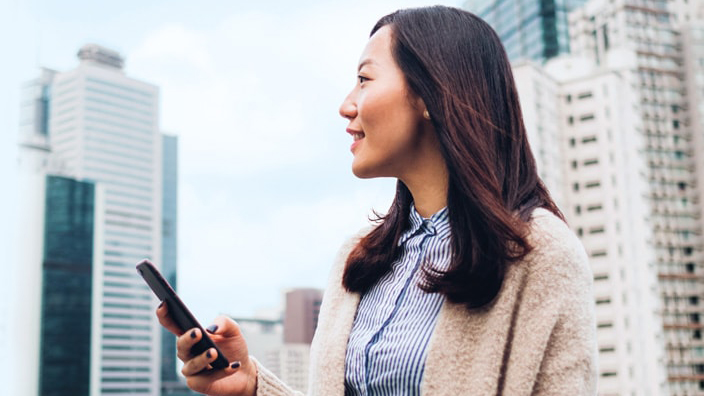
x,y
651,31
283,346
630,119
95,132
171,382
66,287
529,29
265,339
301,316
539,96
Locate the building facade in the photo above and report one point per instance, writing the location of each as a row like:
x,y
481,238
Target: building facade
x,y
652,32
529,29
301,315
67,283
539,96
96,126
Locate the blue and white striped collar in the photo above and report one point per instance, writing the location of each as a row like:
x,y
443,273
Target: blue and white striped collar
x,y
438,224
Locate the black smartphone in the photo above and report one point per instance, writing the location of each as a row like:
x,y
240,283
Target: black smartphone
x,y
177,310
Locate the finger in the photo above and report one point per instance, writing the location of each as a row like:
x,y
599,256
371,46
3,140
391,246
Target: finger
x,y
185,342
162,312
203,380
199,363
224,326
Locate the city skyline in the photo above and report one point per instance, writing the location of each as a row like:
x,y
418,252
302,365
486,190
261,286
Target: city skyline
x,y
266,195
262,149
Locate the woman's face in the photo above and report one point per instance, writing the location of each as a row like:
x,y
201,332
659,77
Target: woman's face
x,y
385,118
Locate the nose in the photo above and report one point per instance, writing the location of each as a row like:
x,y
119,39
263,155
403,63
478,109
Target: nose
x,y
348,108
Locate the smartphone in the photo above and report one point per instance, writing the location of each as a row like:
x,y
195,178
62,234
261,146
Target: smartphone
x,y
177,310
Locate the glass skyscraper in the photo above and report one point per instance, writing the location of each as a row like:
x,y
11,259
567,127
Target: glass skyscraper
x,y
66,287
529,29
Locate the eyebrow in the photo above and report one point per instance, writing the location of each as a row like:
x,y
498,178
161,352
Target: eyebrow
x,y
364,63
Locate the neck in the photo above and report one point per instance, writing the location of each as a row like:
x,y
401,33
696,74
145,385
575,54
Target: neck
x,y
429,190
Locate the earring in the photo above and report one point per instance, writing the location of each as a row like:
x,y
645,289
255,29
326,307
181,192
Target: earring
x,y
426,115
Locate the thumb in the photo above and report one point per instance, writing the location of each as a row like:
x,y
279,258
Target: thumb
x,y
224,326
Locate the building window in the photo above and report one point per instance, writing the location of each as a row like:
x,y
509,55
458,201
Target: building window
x,y
598,253
593,208
584,95
568,98
689,267
601,277
697,334
586,117
592,161
593,184
693,300
607,349
575,186
597,230
578,209
589,139
572,142
605,325
602,301
570,120
609,374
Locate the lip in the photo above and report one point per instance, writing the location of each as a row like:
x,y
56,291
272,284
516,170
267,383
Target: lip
x,y
352,131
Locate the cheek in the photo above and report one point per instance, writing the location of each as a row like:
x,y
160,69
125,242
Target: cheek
x,y
378,114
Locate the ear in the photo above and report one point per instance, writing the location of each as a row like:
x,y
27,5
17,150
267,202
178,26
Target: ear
x,y
422,108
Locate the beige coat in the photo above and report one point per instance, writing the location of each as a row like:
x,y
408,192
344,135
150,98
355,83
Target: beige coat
x,y
538,338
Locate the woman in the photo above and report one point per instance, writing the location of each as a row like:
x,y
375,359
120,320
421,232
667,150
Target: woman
x,y
472,283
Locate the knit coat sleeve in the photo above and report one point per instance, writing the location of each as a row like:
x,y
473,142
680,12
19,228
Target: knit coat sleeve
x,y
560,282
269,384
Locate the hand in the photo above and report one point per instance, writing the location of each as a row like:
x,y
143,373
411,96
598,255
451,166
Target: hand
x,y
240,378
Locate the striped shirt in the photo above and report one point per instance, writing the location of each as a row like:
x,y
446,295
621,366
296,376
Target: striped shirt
x,y
388,344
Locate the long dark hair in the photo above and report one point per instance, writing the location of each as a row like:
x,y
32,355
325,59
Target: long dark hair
x,y
457,65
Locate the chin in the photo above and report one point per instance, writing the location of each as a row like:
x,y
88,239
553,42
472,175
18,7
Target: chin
x,y
367,172
363,172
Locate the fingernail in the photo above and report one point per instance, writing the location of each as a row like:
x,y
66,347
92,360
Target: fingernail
x,y
212,329
193,334
208,355
235,365
161,304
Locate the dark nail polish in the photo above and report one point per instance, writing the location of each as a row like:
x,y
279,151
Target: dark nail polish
x,y
193,334
161,304
212,329
208,355
235,365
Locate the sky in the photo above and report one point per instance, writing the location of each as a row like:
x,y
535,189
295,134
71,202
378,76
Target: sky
x,y
252,90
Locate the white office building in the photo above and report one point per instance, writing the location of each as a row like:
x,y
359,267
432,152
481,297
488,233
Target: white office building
x,y
598,162
102,129
630,117
539,96
652,31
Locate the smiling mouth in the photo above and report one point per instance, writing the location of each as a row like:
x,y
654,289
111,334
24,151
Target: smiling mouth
x,y
358,136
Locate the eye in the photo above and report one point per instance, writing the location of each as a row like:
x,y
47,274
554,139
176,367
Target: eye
x,y
362,79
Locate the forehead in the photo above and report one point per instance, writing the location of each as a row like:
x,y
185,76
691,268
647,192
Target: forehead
x,y
378,48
